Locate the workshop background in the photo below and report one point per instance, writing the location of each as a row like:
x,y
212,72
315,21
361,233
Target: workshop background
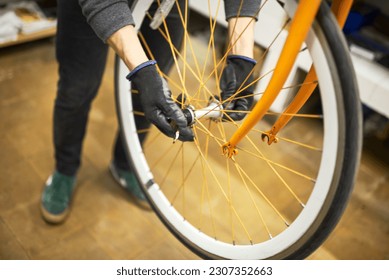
x,y
105,223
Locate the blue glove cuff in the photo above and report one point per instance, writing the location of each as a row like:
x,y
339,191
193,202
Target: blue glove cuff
x,y
242,57
140,67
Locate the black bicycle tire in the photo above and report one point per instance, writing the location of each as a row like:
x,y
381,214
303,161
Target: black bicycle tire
x,y
353,132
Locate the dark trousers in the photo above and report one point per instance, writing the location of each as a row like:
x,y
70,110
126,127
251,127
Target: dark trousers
x,y
81,56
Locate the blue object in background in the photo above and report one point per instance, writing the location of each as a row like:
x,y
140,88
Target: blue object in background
x,y
360,15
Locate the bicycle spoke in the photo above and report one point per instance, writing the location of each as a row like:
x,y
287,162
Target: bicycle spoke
x,y
265,197
259,155
205,188
300,144
202,127
170,168
212,26
185,175
143,131
280,165
150,142
163,156
187,36
165,76
178,54
238,168
219,186
310,116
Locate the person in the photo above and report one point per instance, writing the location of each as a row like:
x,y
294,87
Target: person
x,y
85,31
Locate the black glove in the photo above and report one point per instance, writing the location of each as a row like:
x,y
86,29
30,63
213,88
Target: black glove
x,y
158,106
236,76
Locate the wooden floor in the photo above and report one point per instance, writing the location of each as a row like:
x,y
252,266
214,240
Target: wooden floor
x,y
104,223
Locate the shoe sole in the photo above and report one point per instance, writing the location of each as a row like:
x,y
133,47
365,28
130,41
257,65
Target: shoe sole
x,y
53,218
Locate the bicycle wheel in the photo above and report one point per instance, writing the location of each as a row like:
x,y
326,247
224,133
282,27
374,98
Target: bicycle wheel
x,y
277,201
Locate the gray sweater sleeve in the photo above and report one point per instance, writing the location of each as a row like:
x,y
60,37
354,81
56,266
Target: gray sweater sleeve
x,y
106,16
241,8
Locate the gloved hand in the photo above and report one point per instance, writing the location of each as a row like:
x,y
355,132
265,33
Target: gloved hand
x,y
234,78
158,106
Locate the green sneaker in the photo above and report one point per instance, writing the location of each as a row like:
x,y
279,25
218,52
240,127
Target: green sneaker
x,y
56,197
128,181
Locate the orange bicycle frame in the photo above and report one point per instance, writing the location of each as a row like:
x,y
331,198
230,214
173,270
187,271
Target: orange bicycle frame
x,y
300,25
